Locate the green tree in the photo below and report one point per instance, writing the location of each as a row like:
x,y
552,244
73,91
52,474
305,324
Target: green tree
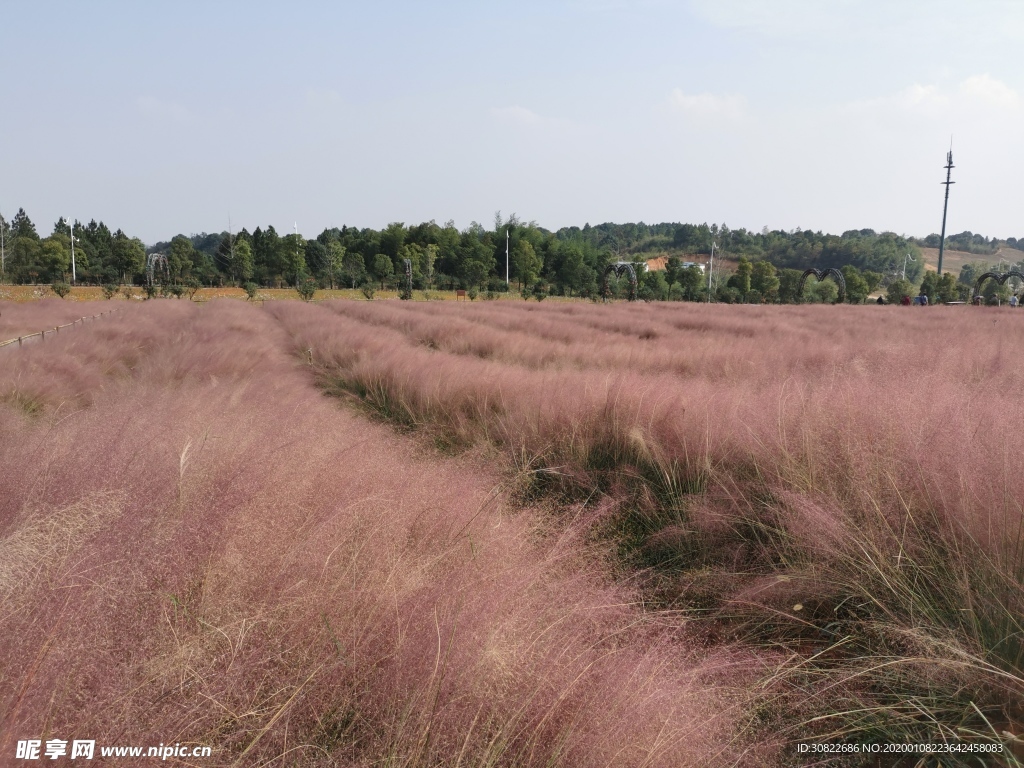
x,y
353,268
693,283
993,292
570,273
61,288
54,257
22,226
930,285
873,279
969,273
306,287
740,279
269,264
673,266
128,256
392,238
857,288
822,291
897,290
476,259
5,239
293,252
526,263
789,285
180,258
383,268
242,265
728,294
429,259
765,280
336,262
948,289
653,286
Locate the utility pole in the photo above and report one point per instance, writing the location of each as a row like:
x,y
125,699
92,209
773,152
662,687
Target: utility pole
x,y
506,256
711,269
3,258
947,182
74,277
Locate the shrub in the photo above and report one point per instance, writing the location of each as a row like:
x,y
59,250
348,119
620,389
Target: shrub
x,y
306,288
109,291
473,292
61,289
151,290
251,289
369,291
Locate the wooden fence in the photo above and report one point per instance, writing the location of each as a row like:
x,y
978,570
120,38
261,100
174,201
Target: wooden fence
x,y
56,329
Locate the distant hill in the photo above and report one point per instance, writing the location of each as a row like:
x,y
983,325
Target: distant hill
x,y
952,260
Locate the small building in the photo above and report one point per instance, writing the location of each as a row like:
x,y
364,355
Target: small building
x,y
660,263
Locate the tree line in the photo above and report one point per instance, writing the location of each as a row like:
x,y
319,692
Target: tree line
x,y
569,262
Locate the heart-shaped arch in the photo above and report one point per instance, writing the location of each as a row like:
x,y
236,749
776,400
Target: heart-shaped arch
x,y
619,270
999,278
821,274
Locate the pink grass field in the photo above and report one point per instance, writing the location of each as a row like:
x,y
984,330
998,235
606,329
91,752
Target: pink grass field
x,y
637,535
197,546
843,482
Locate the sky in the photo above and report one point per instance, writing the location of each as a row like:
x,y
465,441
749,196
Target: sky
x,y
167,118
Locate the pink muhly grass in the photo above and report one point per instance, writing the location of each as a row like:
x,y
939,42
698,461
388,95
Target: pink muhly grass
x,y
825,444
22,318
196,546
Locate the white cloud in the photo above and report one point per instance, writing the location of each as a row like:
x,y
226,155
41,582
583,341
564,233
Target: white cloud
x,y
921,97
981,94
987,90
708,106
164,110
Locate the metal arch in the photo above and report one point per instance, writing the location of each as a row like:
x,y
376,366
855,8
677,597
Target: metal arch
x,y
819,275
619,269
407,293
999,278
154,260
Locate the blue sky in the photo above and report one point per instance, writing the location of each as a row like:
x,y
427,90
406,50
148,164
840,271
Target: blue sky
x,y
173,117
